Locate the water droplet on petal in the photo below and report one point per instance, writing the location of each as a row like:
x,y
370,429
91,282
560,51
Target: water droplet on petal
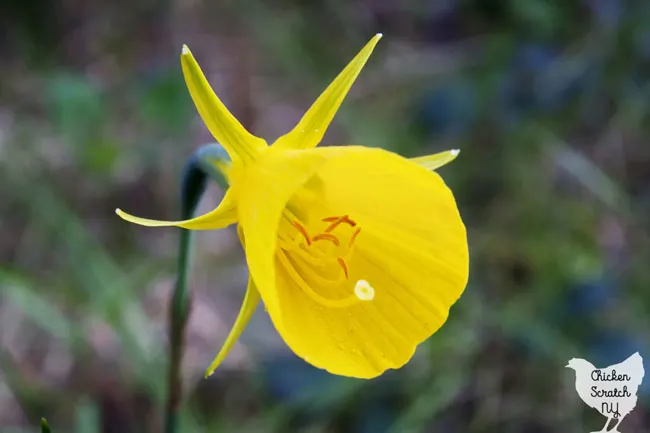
x,y
364,291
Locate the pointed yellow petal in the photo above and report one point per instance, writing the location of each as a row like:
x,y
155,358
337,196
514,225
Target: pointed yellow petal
x,y
224,215
248,307
265,188
311,128
437,160
226,129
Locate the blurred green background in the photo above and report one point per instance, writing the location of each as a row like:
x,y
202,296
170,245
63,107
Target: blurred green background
x,y
548,100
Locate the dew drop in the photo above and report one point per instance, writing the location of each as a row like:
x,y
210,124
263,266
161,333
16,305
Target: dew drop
x,y
364,291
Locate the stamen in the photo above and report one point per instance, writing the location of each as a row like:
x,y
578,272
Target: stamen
x,y
350,221
335,223
302,230
344,219
364,291
341,262
312,264
353,237
327,236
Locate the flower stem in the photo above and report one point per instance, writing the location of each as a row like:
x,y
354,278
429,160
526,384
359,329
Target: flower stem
x,y
198,170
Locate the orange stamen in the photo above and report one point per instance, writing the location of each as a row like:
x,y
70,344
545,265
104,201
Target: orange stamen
x,y
353,237
327,236
343,266
338,220
335,224
302,230
350,221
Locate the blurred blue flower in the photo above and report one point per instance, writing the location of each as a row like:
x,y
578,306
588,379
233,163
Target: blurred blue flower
x,y
448,110
589,297
611,346
314,393
539,80
294,382
606,12
534,57
375,415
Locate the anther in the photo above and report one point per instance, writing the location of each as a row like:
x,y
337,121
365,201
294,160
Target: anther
x,y
350,221
353,237
335,223
326,236
344,219
364,291
302,230
341,262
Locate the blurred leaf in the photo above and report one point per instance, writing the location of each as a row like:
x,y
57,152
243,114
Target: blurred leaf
x,y
20,292
76,106
87,418
165,101
100,155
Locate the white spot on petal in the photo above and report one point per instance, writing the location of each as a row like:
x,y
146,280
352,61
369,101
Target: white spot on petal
x,y
364,291
185,50
455,152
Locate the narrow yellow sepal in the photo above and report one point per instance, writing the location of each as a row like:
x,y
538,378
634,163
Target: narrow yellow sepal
x,y
437,160
248,307
311,128
224,215
226,129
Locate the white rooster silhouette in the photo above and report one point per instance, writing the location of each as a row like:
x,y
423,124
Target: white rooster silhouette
x,y
612,390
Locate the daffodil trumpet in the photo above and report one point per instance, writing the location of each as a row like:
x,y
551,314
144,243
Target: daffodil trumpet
x,y
357,253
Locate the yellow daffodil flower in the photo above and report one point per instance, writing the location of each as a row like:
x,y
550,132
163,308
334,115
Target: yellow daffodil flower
x,y
357,253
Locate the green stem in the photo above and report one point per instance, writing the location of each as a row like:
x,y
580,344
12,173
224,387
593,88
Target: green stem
x,y
195,177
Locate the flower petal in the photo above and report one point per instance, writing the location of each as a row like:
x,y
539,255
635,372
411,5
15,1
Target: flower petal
x,y
251,299
311,128
265,187
226,129
437,160
412,249
224,215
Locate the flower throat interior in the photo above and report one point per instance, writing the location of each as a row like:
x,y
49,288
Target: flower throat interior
x,y
318,261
